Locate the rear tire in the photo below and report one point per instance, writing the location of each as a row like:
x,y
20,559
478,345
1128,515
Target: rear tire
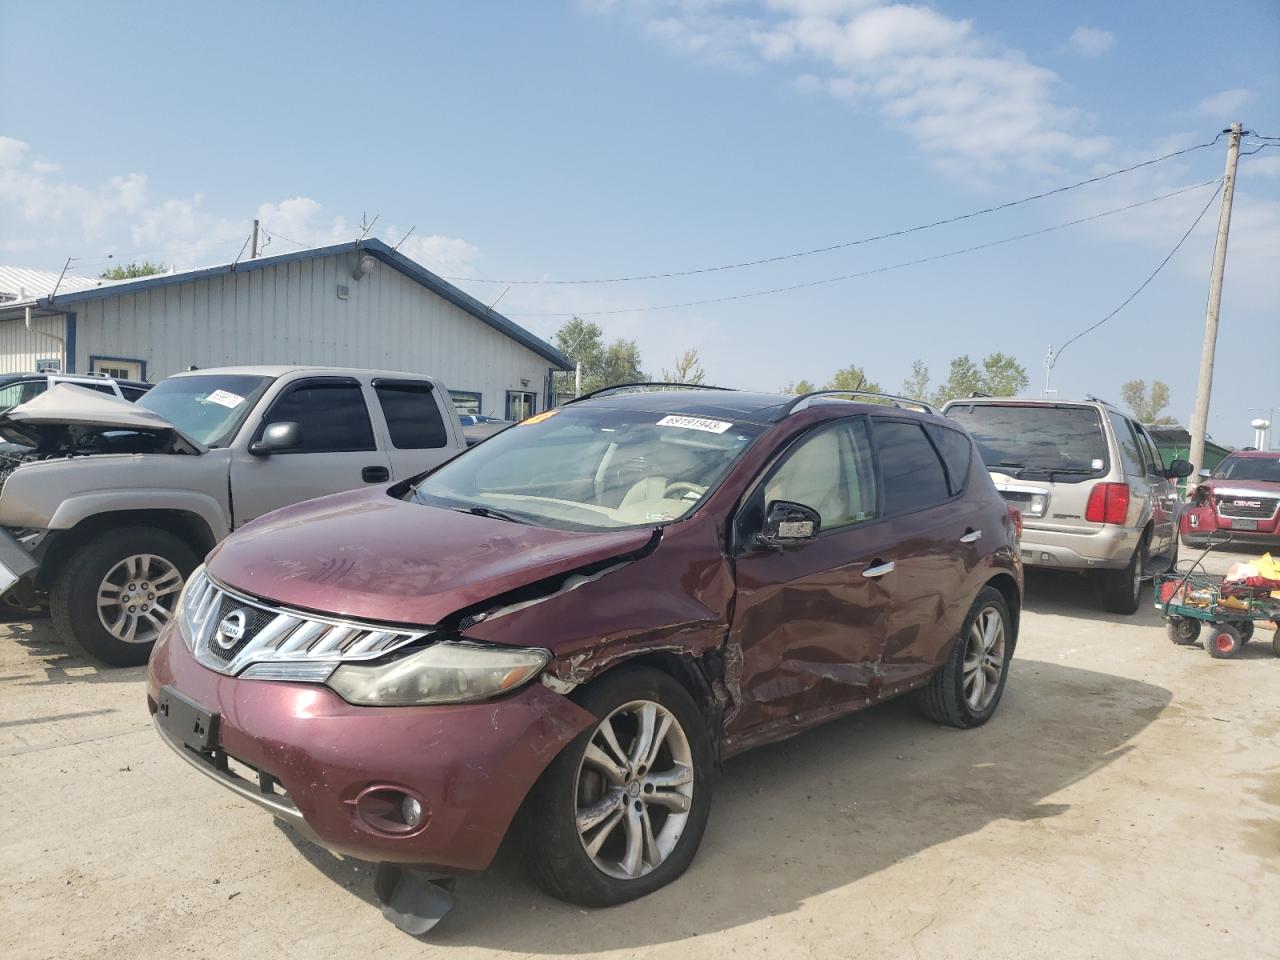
x,y
102,565
1122,589
642,797
1245,629
1183,631
949,696
1223,642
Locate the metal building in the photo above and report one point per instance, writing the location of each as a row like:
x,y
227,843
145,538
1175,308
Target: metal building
x,y
362,305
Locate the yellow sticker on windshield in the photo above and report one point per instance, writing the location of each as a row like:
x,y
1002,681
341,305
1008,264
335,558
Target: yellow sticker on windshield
x,y
538,417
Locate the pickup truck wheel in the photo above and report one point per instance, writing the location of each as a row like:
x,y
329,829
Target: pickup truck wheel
x,y
621,810
1121,589
119,590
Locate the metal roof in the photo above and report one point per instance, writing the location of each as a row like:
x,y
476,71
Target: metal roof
x,y
18,283
99,289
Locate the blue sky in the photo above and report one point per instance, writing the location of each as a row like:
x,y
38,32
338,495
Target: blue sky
x,y
603,139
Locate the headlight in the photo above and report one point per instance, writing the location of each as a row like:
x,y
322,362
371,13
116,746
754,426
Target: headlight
x,y
445,672
180,612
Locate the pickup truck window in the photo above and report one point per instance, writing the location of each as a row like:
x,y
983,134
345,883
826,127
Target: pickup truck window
x,y
15,393
413,416
331,417
209,407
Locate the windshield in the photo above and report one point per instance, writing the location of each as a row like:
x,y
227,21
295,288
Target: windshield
x,y
1249,468
208,408
579,468
1042,439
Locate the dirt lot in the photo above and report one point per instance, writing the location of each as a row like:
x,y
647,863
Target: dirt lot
x,y
1125,802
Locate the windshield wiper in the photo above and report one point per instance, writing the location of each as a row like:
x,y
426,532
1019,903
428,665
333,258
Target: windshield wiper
x,y
487,512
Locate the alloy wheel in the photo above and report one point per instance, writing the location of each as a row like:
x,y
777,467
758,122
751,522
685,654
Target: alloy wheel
x,y
634,789
137,596
984,659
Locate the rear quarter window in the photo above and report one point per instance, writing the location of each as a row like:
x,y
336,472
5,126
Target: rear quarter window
x,y
914,478
956,450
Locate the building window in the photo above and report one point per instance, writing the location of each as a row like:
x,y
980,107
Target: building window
x,y
120,368
520,404
49,365
466,402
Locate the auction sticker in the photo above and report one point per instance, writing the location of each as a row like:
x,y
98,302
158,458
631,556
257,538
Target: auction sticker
x,y
695,423
225,398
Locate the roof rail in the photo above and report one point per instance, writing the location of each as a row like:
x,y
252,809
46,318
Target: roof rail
x,y
903,403
1090,396
639,387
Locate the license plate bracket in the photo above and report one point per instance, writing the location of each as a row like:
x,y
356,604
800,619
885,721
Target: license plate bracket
x,y
187,720
1244,524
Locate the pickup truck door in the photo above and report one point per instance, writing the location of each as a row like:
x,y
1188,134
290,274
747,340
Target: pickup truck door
x,y
421,430
338,449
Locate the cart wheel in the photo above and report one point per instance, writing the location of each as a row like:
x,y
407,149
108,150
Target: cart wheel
x,y
1183,631
1224,641
1245,628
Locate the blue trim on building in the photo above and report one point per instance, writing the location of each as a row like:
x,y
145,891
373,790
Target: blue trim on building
x,y
94,358
376,248
70,341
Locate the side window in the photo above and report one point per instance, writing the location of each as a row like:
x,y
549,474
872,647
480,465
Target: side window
x,y
831,471
331,417
413,417
1155,464
912,474
21,392
133,394
1130,455
956,451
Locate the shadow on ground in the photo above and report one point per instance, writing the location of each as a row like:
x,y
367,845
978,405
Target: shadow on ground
x,y
1068,594
795,820
59,662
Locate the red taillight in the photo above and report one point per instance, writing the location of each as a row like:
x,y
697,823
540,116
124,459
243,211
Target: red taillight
x,y
1108,503
1016,516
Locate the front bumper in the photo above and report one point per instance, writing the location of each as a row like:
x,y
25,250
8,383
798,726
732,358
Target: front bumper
x,y
16,562
1200,520
470,765
1105,548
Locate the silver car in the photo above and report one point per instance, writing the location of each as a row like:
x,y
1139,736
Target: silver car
x,y
1093,491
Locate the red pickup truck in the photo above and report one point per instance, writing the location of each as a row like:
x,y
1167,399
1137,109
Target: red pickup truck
x,y
1241,496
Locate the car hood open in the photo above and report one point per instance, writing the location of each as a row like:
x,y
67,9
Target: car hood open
x,y
370,556
66,405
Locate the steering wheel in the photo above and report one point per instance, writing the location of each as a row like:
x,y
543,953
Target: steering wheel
x,y
676,485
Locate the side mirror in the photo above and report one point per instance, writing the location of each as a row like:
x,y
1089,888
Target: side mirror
x,y
788,523
1179,469
1205,474
284,435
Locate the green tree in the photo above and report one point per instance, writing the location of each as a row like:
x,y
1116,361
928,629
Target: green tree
x,y
916,386
131,270
998,376
1147,408
602,365
804,386
852,377
688,369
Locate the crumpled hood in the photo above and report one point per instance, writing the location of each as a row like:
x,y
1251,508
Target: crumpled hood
x,y
1259,488
369,556
67,405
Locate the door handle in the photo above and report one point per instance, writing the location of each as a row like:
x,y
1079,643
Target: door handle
x,y
878,568
973,536
375,474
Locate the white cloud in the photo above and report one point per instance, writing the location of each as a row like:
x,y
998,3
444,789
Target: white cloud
x,y
977,107
1222,106
44,219
1090,41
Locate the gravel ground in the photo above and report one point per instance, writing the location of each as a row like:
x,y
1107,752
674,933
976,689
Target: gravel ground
x,y
1125,802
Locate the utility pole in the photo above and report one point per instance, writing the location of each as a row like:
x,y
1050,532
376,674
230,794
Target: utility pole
x,y
254,254
1200,416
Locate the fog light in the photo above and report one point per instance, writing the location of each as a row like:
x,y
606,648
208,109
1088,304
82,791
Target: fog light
x,y
411,812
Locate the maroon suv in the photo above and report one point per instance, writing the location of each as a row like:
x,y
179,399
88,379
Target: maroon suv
x,y
576,620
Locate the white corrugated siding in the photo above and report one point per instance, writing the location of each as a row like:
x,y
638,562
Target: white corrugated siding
x,y
20,348
291,313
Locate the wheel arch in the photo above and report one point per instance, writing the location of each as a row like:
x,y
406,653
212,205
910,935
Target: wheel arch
x,y
1007,587
189,527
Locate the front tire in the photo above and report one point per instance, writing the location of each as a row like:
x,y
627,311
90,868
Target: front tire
x,y
1183,631
1223,642
966,690
1122,589
621,810
118,591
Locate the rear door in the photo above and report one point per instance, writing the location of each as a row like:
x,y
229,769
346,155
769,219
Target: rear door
x,y
337,452
938,535
419,433
809,619
1164,494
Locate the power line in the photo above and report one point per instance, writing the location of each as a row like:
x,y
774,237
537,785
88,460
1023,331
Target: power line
x,y
280,236
1142,286
874,270
849,243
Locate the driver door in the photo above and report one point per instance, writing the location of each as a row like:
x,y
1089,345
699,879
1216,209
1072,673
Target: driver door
x,y
810,619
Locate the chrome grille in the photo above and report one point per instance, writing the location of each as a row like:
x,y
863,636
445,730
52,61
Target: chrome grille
x,y
276,635
1244,506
